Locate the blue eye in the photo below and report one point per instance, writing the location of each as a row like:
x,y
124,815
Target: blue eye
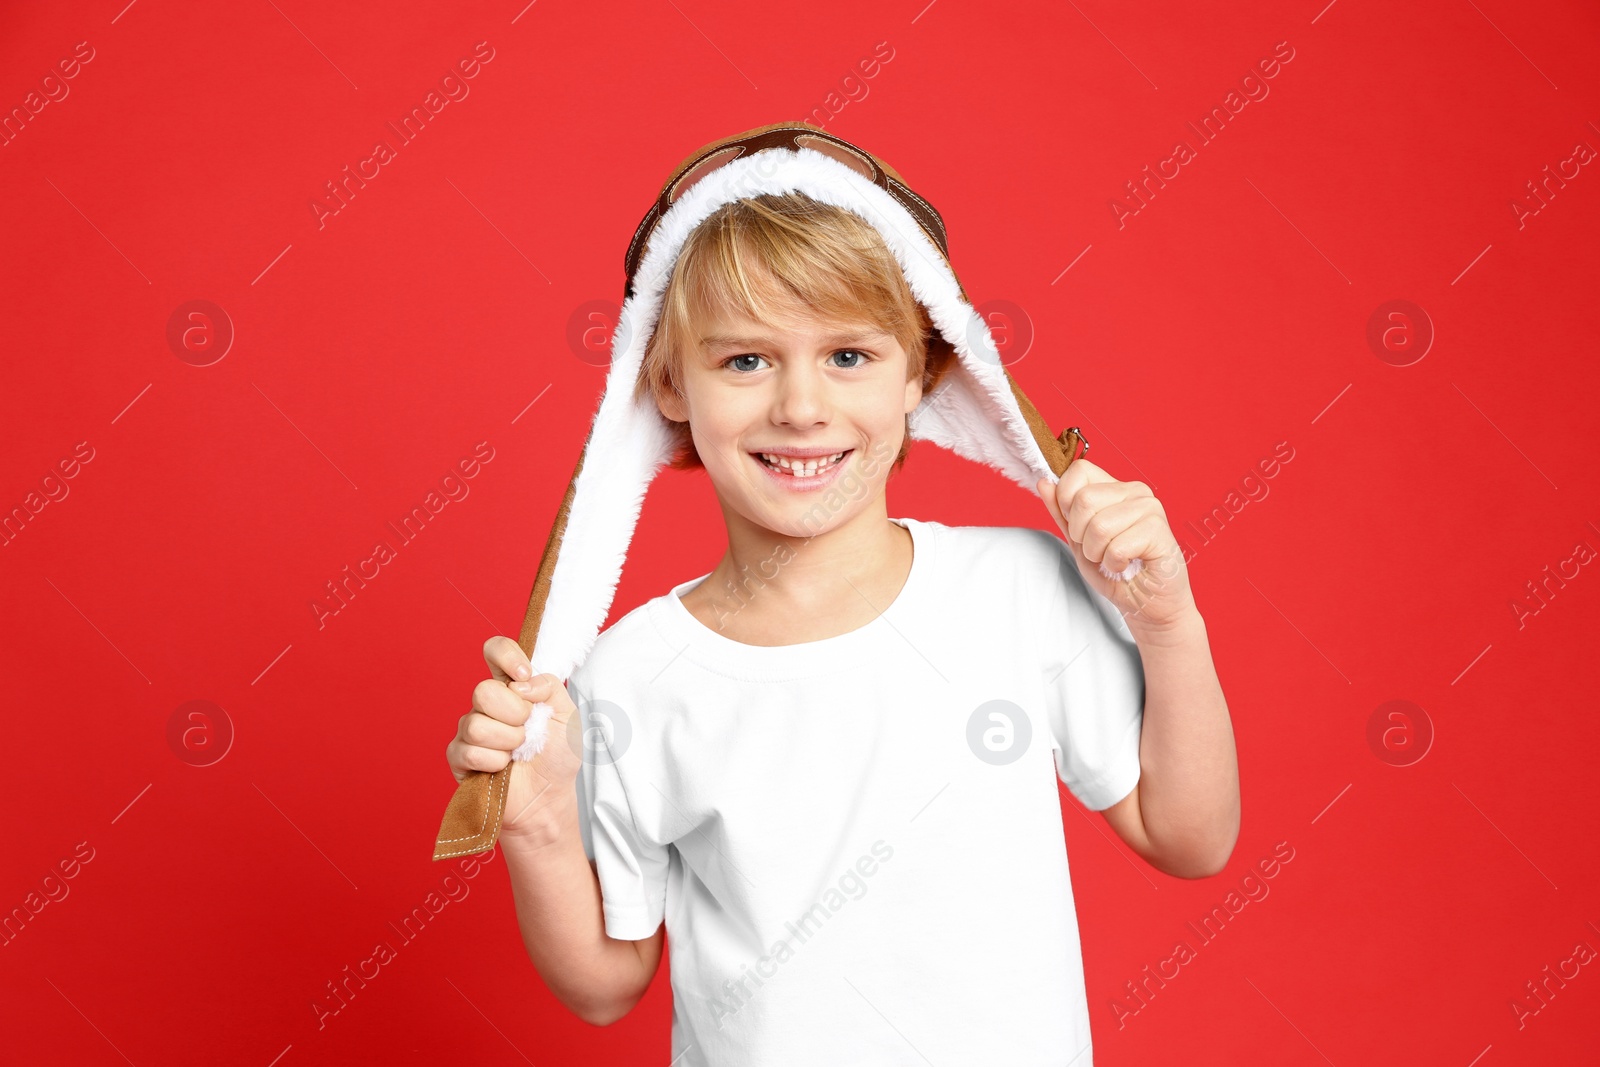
x,y
735,362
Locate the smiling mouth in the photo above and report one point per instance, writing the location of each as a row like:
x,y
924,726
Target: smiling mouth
x,y
798,468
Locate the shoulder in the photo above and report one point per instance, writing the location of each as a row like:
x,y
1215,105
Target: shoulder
x,y
627,645
1020,548
1004,568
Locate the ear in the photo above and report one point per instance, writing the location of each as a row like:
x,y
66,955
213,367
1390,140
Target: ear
x,y
913,393
672,407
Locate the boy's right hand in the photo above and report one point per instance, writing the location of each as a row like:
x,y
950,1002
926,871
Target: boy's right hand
x,y
501,705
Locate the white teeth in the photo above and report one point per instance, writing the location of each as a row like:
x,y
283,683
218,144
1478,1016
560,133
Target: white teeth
x,y
802,468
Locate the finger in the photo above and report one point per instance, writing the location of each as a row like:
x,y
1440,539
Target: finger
x,y
1077,475
481,731
1070,489
1092,499
462,756
1047,492
1138,541
492,698
1100,528
506,659
543,689
549,689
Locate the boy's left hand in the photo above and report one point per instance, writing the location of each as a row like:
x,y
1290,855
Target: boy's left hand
x,y
1114,523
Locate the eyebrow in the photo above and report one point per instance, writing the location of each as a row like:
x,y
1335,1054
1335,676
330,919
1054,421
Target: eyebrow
x,y
854,338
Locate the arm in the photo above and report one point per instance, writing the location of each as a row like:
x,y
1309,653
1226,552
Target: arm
x,y
558,903
1183,816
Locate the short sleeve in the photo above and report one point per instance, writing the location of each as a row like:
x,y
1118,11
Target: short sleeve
x,y
632,868
1093,682
585,824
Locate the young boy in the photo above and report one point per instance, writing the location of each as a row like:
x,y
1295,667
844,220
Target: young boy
x,y
830,764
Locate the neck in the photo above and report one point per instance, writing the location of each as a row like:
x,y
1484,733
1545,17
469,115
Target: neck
x,y
775,572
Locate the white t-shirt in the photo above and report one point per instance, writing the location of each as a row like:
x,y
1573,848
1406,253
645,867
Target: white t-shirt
x,y
856,843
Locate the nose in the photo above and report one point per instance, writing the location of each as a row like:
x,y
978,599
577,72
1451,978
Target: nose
x,y
802,399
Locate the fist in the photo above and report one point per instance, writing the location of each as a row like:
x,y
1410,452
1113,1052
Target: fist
x,y
497,724
1125,550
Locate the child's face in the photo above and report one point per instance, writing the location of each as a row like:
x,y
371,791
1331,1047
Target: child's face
x,y
798,384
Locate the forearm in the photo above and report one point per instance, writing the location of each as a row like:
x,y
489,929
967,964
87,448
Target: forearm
x,y
559,911
1189,770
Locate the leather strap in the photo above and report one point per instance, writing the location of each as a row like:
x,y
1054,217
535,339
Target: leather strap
x,y
472,819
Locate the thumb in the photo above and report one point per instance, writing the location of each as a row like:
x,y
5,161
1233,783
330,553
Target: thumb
x,y
1047,492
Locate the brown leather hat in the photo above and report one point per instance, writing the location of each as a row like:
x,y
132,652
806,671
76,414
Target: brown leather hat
x,y
791,135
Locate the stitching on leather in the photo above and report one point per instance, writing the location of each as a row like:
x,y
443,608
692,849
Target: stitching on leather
x,y
644,225
909,192
493,806
843,146
488,806
670,194
938,246
939,239
885,181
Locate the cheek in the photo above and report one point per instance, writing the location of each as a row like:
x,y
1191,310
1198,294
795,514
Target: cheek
x,y
887,412
717,428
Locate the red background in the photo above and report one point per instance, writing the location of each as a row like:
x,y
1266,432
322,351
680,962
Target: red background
x,y
374,351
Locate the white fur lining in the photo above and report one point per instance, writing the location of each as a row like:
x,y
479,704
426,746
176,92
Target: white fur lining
x,y
972,412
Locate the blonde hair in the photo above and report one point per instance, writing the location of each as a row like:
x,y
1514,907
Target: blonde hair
x,y
791,251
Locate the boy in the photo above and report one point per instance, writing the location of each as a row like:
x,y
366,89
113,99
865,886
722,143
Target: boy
x,y
829,765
